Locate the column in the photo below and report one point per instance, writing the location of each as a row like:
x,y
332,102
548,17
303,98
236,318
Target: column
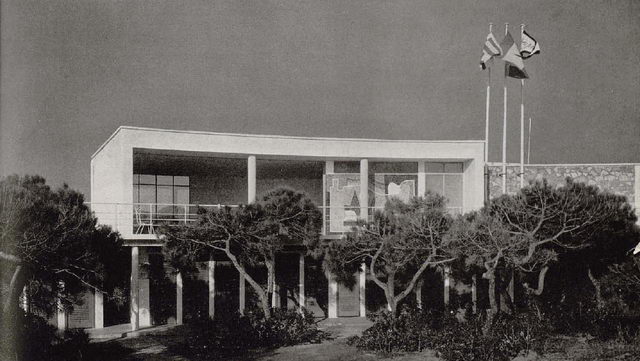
x,y
61,313
251,179
211,268
135,269
333,296
241,301
301,299
179,305
326,212
364,189
422,179
474,292
447,281
363,293
144,307
275,296
98,302
419,293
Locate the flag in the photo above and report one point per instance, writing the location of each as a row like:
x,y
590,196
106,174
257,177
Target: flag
x,y
490,49
529,46
514,66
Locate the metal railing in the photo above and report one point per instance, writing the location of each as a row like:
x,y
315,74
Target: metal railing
x,y
141,220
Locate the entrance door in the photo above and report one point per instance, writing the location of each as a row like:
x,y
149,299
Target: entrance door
x,y
349,300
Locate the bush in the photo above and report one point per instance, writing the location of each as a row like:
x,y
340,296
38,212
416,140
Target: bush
x,y
414,330
32,338
231,332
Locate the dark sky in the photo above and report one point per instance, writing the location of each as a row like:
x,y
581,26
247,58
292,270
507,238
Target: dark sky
x,y
73,71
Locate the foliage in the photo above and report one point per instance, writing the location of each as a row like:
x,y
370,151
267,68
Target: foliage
x,y
52,239
233,333
529,231
416,330
37,340
399,244
249,236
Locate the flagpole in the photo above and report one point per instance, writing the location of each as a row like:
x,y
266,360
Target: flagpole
x,y
521,123
529,143
504,126
486,117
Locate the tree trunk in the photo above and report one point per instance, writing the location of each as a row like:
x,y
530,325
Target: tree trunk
x,y
598,288
13,294
264,300
271,278
389,293
493,310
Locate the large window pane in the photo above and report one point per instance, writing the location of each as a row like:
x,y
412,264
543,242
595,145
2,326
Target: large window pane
x,y
147,179
180,197
181,181
165,180
435,184
147,194
165,199
453,190
453,167
434,167
136,179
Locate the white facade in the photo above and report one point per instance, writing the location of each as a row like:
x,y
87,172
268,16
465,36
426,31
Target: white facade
x,y
113,184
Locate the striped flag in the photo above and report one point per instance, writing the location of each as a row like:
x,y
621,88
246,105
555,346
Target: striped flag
x,y
490,49
514,66
529,46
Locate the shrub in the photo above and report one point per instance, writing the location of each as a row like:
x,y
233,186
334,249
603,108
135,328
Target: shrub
x,y
32,338
231,332
414,330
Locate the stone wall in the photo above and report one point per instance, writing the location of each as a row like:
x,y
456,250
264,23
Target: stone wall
x,y
617,178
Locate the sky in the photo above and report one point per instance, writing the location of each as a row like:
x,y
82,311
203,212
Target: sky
x,y
72,72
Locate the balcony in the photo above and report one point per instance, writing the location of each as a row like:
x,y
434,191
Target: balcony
x,y
141,221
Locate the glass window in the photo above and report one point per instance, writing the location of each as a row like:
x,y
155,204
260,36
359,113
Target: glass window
x,y
435,184
136,179
434,167
147,179
181,181
346,167
453,189
453,167
147,194
165,180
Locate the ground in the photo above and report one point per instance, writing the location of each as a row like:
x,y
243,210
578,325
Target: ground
x,y
157,345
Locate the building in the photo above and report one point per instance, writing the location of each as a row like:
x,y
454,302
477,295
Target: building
x,y
142,177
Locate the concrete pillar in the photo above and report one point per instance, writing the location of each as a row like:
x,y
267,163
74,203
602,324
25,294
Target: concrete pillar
x,y
333,296
364,189
98,309
447,282
241,300
363,283
179,305
422,179
211,269
275,296
61,313
134,306
61,316
511,289
251,179
144,313
25,300
301,299
328,169
474,293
